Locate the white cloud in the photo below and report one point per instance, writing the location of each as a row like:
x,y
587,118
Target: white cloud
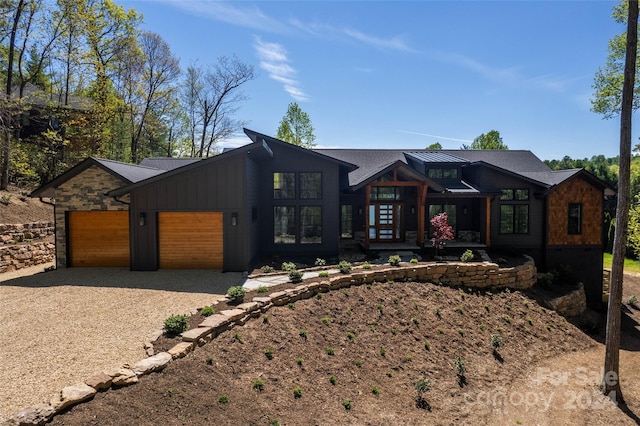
x,y
274,60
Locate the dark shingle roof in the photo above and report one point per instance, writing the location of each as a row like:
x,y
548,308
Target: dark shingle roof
x,y
130,172
369,161
167,163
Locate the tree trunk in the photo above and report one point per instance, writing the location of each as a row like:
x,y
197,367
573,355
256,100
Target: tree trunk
x,y
611,380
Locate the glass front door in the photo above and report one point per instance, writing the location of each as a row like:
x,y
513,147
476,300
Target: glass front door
x,y
385,222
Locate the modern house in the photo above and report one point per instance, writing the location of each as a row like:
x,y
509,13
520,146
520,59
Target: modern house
x,y
271,198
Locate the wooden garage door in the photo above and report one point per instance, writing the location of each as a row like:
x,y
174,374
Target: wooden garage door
x,y
190,240
99,238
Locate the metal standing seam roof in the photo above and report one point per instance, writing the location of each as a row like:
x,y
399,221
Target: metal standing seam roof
x,y
435,157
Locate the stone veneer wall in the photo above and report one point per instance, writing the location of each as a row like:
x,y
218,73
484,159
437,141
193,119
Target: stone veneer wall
x,y
85,191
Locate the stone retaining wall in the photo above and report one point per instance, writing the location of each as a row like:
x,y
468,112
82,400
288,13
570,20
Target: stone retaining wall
x,y
18,233
479,275
26,244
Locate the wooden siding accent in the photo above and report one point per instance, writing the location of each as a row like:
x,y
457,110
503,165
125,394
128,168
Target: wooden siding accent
x,y
99,238
576,190
190,240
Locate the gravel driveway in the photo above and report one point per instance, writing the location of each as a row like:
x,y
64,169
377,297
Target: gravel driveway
x,y
61,326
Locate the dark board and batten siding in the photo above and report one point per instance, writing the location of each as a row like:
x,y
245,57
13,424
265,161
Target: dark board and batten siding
x,y
211,186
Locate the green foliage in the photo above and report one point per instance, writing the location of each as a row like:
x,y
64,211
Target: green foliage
x,y
375,390
266,269
323,274
303,334
329,350
207,311
394,260
435,146
632,300
389,374
296,127
5,199
358,363
236,293
460,366
366,265
297,392
263,289
347,404
351,336
344,266
320,262
422,385
237,338
325,320
223,399
295,276
415,320
383,351
274,422
288,266
496,341
427,345
413,261
209,360
545,279
332,379
176,324
491,140
467,256
299,361
268,353
258,385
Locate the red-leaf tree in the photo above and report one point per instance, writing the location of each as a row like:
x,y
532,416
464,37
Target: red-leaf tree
x,y
442,231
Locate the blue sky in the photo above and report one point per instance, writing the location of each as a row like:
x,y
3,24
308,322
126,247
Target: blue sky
x,y
408,74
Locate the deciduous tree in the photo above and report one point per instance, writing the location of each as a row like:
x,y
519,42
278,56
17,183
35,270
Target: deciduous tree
x,y
491,140
296,127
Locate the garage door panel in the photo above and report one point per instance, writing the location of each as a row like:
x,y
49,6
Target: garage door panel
x,y
99,238
190,240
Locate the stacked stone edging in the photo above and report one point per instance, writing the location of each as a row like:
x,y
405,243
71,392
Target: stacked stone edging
x,y
477,275
24,232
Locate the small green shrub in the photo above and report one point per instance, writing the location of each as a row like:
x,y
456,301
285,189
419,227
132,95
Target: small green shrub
x,y
303,334
323,274
460,310
351,336
415,320
223,399
422,386
274,422
265,319
347,404
176,324
461,332
408,358
460,366
332,379
383,351
295,276
207,311
389,374
632,300
438,313
266,269
349,312
320,262
297,392
288,266
396,300
545,279
380,308
263,289
427,345
358,363
372,328
319,296
329,350
236,338
325,320
209,360
394,260
366,265
258,385
291,305
496,341
375,390
467,256
236,293
344,267
5,199
299,361
413,261
268,353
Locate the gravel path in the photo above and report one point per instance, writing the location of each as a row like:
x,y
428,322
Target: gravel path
x,y
59,327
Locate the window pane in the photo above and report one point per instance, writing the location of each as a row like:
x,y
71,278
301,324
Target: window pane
x,y
284,186
507,194
311,225
522,194
506,219
346,221
310,186
284,225
575,219
521,223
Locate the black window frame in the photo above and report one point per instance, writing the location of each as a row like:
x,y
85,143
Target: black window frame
x,y
574,223
304,227
279,238
283,193
515,224
343,232
304,191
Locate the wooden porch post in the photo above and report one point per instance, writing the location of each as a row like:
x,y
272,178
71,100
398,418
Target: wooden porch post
x,y
422,198
367,202
488,224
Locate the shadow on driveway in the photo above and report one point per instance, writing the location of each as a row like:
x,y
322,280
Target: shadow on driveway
x,y
189,281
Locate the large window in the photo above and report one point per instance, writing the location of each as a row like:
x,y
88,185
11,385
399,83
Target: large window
x,y
446,173
386,193
284,186
346,221
310,186
574,225
284,225
515,195
311,225
514,219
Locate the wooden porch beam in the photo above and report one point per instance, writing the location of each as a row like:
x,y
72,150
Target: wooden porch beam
x,y
422,199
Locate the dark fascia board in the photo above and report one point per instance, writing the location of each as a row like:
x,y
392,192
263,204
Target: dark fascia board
x,y
405,169
588,176
256,137
507,172
202,163
72,172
